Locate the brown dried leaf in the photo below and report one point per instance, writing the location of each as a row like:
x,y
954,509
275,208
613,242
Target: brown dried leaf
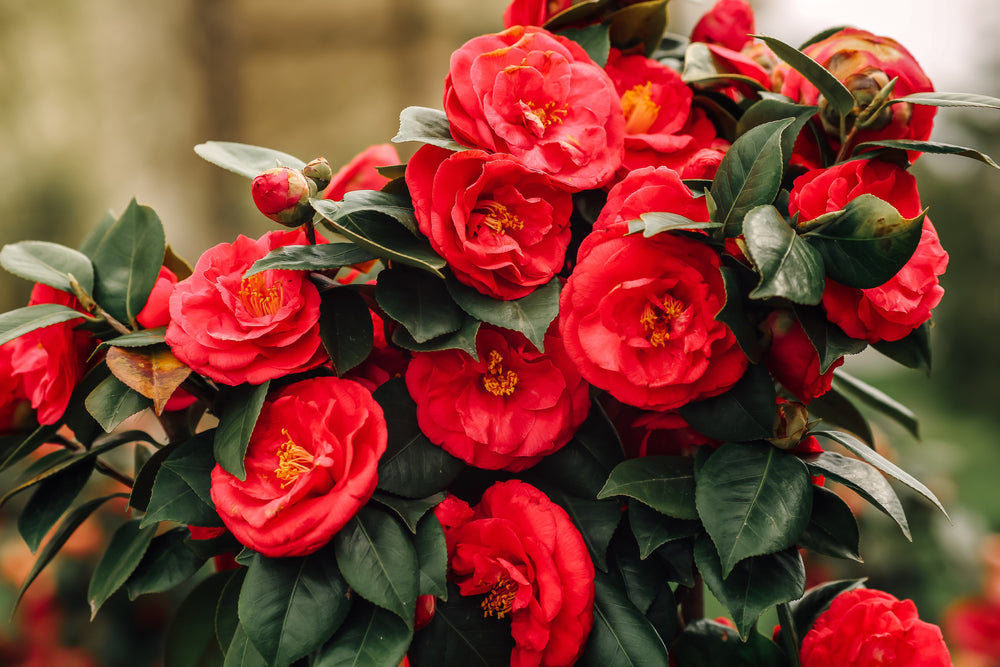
x,y
152,371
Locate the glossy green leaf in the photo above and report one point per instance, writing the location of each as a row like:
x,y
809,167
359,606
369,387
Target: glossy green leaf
x,y
182,490
345,327
112,402
241,651
191,633
789,267
531,315
432,557
663,616
865,480
767,110
464,339
50,501
642,578
753,499
749,174
580,12
830,341
678,557
941,99
17,322
912,351
244,159
379,562
419,301
429,126
653,223
816,600
127,262
397,207
932,147
95,235
832,530
596,520
708,642
290,606
665,483
141,338
142,489
745,412
168,562
322,257
412,466
639,25
866,243
652,529
459,635
834,408
595,40
409,510
227,618
838,96
239,416
371,636
48,263
878,400
739,280
621,636
126,548
754,585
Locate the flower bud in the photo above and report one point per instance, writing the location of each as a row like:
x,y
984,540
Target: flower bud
x,y
319,171
729,23
426,606
282,194
791,422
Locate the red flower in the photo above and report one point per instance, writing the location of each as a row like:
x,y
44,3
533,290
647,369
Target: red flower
x,y
361,173
533,12
541,98
729,23
869,628
311,465
502,227
894,309
638,314
235,329
505,411
282,194
792,359
12,399
156,312
653,433
50,362
523,553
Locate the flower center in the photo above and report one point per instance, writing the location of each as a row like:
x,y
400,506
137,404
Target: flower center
x,y
639,108
500,599
656,318
258,298
292,461
498,217
496,380
537,117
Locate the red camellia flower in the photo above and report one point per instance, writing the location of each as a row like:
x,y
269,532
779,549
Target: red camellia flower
x,y
523,553
505,411
156,312
361,173
869,628
729,23
792,359
894,309
311,465
502,227
235,329
644,191
540,97
533,12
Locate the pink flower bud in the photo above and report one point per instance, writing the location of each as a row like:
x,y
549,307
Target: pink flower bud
x,y
729,23
282,194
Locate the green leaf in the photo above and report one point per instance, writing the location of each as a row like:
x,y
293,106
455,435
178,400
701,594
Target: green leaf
x,y
665,483
830,341
596,521
835,408
832,529
141,338
745,412
127,547
345,327
869,455
227,618
941,99
112,402
127,262
753,499
432,556
595,40
678,557
816,600
191,633
652,529
168,562
653,223
95,235
371,636
241,651
738,280
378,560
865,480
789,267
642,578
639,24
912,351
17,322
663,616
878,400
142,489
412,465
459,635
767,110
290,606
407,509
239,416
531,315
182,490
622,636
702,70
50,500
419,301
48,263
396,207
429,126
464,339
708,642
244,159
754,585
838,96
320,257
925,147
866,243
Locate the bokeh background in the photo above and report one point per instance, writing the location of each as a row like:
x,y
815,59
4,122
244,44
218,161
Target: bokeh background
x,y
103,100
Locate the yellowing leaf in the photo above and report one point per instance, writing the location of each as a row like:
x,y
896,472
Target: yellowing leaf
x,y
151,371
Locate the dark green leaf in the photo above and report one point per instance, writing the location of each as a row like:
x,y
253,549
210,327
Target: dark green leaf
x,y
789,267
459,635
622,636
940,99
816,600
141,338
143,488
429,126
678,557
407,509
832,529
112,402
191,633
639,25
127,262
642,578
878,400
227,619
707,642
595,40
738,280
596,521
753,499
239,416
50,500
835,408
345,326
127,547
768,110
662,614
15,323
419,301
432,555
464,339
93,238
371,636
48,263
745,412
830,341
397,207
19,448
244,159
651,224
912,351
378,560
182,490
531,315
653,529
311,258
168,562
290,606
241,651
665,483
754,585
839,97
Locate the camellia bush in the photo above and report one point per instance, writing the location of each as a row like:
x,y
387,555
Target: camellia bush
x,y
523,399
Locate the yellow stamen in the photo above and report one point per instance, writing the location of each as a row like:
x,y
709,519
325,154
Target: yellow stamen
x,y
538,117
292,461
496,381
258,298
656,319
498,217
500,599
639,109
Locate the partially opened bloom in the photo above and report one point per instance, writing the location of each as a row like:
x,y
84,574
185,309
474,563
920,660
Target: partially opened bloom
x,y
793,360
310,466
523,553
730,23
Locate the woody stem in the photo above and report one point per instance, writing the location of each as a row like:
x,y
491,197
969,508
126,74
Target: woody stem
x,y
693,601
